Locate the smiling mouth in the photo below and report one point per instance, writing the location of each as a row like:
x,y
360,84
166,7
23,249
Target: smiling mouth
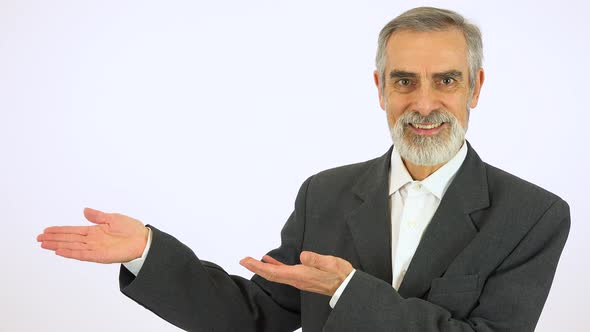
x,y
427,129
426,125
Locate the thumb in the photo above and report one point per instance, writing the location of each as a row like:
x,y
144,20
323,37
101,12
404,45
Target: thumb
x,y
96,216
312,259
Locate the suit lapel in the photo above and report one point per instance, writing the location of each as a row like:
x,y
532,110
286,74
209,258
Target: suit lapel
x,y
450,229
448,233
370,223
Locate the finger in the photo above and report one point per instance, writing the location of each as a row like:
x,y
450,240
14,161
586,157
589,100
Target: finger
x,y
270,260
96,216
299,276
54,245
82,230
61,237
286,274
249,263
267,271
81,255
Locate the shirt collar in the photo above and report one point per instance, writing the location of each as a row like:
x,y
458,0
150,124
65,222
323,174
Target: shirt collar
x,y
437,183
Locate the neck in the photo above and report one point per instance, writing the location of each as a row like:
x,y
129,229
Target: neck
x,y
420,172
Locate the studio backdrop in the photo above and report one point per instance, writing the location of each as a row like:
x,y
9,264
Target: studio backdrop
x,y
203,118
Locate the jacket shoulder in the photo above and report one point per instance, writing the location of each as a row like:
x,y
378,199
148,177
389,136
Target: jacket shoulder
x,y
345,176
504,187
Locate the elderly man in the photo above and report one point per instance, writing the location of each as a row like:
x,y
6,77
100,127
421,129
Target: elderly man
x,y
426,237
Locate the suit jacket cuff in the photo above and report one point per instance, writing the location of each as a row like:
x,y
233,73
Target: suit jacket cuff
x,y
368,304
341,289
135,265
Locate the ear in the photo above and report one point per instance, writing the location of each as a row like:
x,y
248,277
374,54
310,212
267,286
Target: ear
x,y
479,78
378,84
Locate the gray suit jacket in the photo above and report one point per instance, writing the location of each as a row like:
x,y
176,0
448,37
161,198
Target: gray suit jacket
x,y
485,262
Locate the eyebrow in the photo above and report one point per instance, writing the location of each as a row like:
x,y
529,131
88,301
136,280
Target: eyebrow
x,y
457,75
401,74
453,73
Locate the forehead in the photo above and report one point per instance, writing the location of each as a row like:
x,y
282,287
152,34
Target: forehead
x,y
427,50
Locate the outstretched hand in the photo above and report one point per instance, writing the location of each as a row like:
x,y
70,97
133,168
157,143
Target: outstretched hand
x,y
115,238
317,273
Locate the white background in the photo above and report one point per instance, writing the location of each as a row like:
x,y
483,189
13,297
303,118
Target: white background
x,y
204,117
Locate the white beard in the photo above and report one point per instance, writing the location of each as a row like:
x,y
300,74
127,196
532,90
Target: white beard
x,y
428,150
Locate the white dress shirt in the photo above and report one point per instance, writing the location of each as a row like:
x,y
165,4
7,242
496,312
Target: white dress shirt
x,y
412,204
135,265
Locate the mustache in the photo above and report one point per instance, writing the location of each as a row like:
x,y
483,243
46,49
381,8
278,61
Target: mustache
x,y
435,116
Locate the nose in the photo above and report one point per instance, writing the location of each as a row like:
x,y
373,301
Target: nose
x,y
426,100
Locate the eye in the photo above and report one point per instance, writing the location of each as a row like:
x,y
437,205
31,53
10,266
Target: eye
x,y
447,81
404,82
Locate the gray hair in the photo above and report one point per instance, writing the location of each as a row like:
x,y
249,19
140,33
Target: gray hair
x,y
433,19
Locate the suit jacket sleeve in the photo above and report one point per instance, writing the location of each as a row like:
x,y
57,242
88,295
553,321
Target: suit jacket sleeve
x,y
196,295
511,299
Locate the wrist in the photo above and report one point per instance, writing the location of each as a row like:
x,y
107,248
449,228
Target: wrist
x,y
143,242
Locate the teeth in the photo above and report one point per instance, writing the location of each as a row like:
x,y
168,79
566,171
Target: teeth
x,y
427,126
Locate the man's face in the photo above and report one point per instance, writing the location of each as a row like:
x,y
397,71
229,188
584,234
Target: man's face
x,y
425,93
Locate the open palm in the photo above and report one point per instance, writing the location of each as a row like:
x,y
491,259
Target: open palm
x,y
115,238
